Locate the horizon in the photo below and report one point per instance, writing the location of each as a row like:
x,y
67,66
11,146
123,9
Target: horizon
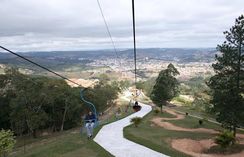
x,y
119,49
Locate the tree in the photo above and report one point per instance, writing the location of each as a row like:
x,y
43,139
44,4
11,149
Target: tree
x,y
27,107
124,84
63,104
71,108
102,95
4,109
166,86
7,142
30,104
227,85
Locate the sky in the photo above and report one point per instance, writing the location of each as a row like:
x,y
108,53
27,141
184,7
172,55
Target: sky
x,y
49,25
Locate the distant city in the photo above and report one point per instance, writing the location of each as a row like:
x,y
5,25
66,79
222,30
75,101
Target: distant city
x,y
189,62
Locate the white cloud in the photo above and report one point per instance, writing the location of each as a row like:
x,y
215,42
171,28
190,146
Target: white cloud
x,y
30,25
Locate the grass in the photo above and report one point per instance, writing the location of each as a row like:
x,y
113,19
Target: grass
x,y
194,112
165,115
190,122
158,138
162,114
206,115
69,143
66,144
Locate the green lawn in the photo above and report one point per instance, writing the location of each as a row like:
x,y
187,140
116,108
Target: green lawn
x,y
69,143
165,115
157,138
195,112
191,122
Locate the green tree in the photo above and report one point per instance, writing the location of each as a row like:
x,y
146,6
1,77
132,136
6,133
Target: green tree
x,y
7,142
5,98
146,86
139,85
30,104
103,95
166,86
124,84
27,107
63,105
227,85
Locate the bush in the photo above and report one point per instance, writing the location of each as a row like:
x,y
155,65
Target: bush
x,y
156,111
200,122
7,142
136,121
225,139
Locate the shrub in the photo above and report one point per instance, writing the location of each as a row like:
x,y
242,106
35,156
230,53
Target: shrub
x,y
136,121
200,122
156,111
7,142
225,139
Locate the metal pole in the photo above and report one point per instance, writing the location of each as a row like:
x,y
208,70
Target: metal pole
x,y
134,36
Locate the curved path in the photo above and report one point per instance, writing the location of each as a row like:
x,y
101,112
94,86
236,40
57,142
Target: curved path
x,y
111,138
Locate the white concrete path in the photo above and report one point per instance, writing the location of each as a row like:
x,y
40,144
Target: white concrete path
x,y
111,138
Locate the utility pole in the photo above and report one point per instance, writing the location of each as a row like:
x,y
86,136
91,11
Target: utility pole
x,y
134,36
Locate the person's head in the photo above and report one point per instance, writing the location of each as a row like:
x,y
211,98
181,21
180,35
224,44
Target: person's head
x,y
90,113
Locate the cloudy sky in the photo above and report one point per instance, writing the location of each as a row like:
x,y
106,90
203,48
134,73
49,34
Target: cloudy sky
x,y
36,25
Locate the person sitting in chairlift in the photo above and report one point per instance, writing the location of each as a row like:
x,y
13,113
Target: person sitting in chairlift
x,y
136,103
90,122
136,106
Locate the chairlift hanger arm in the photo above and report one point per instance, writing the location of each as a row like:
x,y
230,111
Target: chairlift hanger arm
x,y
134,36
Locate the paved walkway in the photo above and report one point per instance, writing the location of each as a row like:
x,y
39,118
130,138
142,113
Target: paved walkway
x,y
111,138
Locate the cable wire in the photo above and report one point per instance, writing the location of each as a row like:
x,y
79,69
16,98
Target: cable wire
x,y
108,31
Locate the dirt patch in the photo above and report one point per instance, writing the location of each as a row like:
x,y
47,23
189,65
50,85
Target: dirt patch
x,y
197,148
83,82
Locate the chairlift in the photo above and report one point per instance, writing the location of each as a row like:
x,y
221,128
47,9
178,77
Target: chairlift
x,y
92,109
136,106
